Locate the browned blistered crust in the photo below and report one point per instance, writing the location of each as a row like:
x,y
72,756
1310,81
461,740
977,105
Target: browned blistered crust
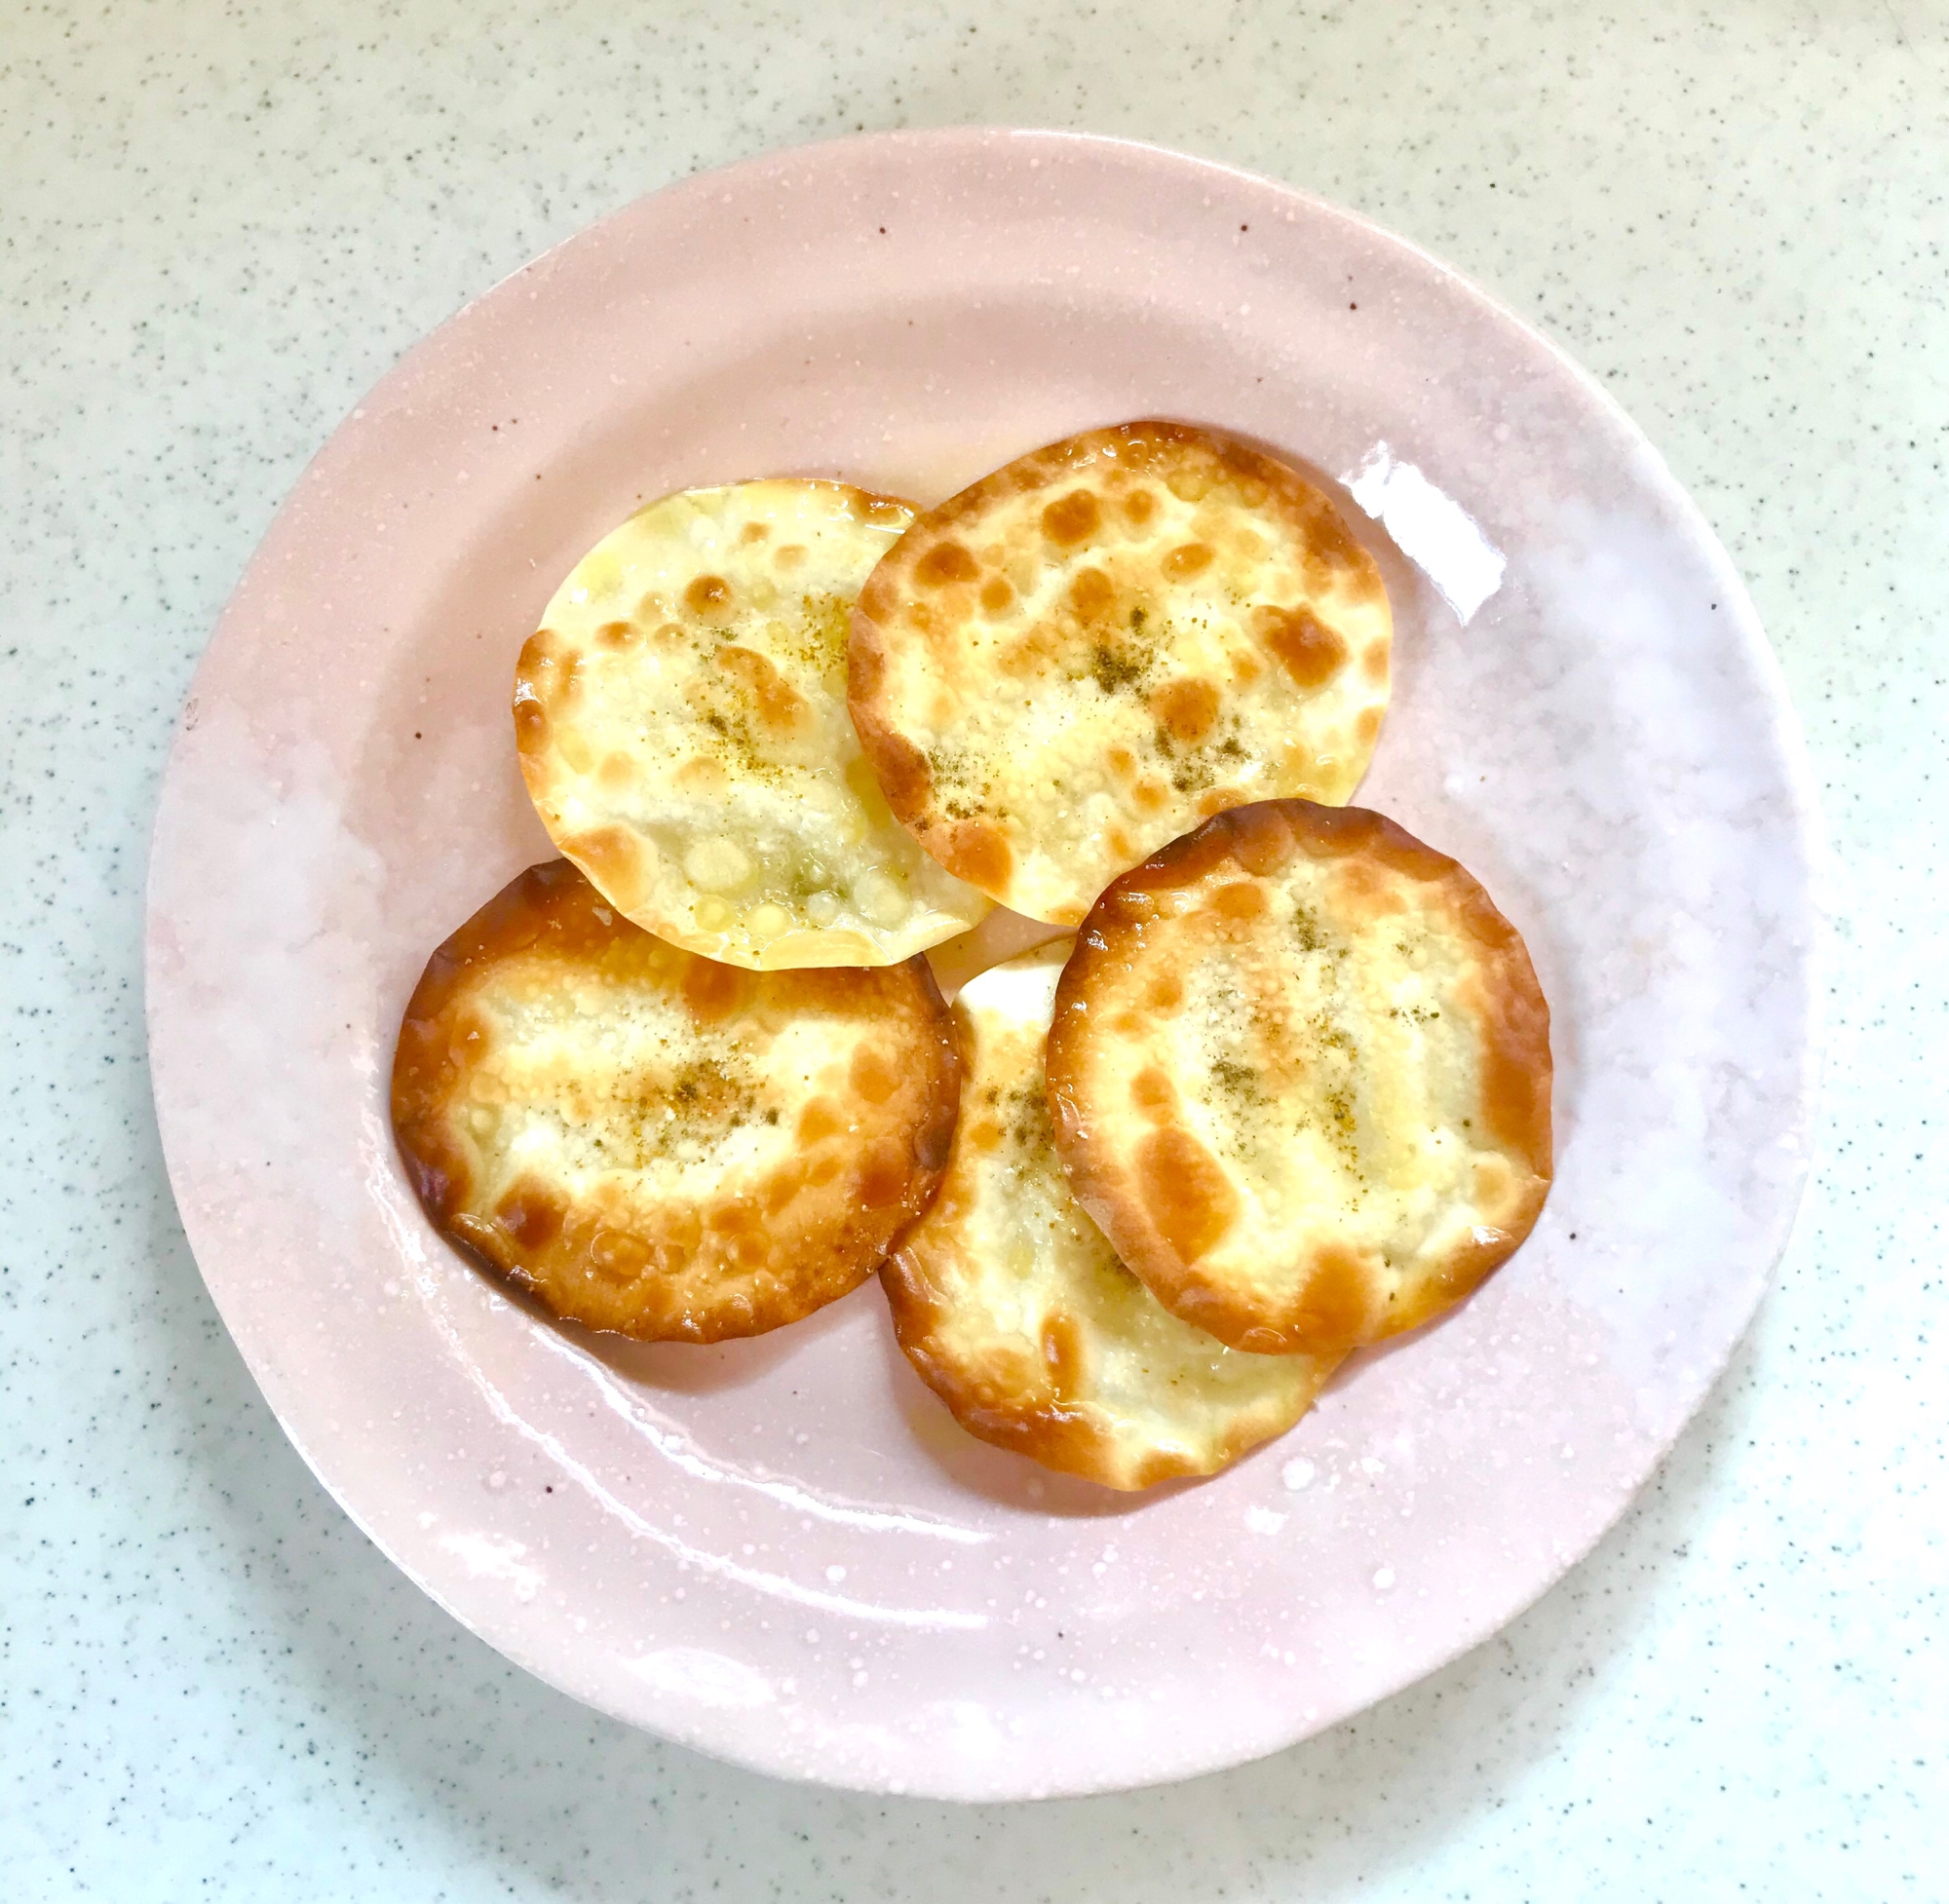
x,y
1217,633
1017,1403
1178,1214
1067,1360
702,1187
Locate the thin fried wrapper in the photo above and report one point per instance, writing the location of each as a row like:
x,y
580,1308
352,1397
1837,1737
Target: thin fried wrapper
x,y
682,726
658,1144
1081,656
1301,1077
1016,1312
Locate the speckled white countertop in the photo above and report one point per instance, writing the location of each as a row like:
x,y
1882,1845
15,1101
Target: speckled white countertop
x,y
219,225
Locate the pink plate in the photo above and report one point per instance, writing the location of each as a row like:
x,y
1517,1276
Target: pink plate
x,y
784,1551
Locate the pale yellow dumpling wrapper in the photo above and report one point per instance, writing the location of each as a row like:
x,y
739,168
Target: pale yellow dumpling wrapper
x,y
683,731
1015,1309
1085,653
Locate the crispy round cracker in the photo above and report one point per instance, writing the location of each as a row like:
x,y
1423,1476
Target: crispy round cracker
x,y
658,1144
682,726
1015,1310
1301,1077
1089,651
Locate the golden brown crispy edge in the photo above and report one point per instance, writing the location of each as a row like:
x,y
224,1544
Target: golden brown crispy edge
x,y
1018,1401
555,900
1516,1066
1014,1404
971,850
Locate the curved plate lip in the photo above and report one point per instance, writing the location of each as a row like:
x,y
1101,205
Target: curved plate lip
x,y
1051,147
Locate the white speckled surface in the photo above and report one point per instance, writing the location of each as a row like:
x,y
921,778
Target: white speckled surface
x,y
219,228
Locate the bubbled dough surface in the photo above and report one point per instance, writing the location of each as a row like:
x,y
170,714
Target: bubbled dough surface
x,y
1015,1310
1301,1071
656,1143
1087,653
682,725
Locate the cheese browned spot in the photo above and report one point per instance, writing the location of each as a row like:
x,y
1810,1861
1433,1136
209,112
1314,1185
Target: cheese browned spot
x,y
657,1144
1075,659
1301,1073
682,728
1015,1310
